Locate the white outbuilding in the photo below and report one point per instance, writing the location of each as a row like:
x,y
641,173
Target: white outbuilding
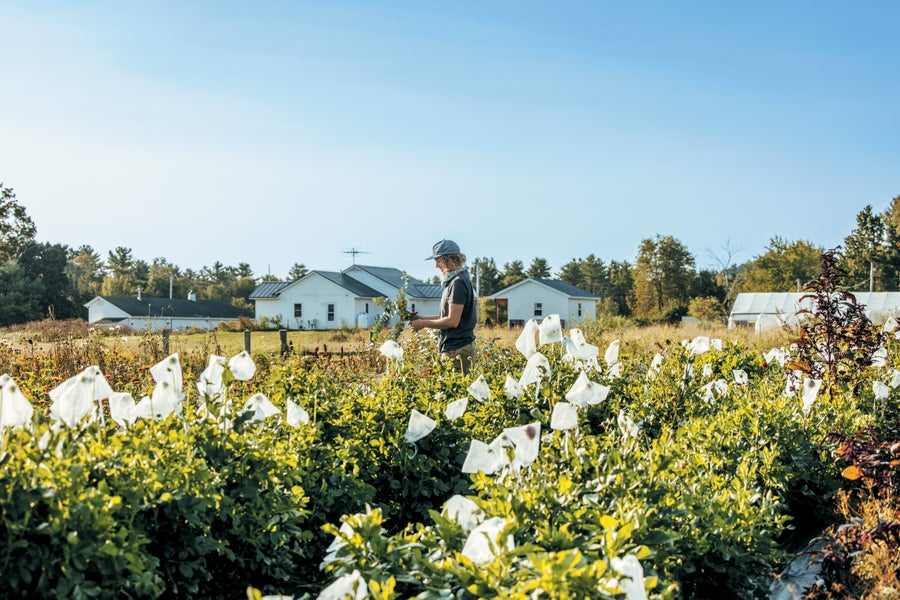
x,y
534,298
145,313
769,310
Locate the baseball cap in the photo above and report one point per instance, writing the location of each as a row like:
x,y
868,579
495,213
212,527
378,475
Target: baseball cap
x,y
443,248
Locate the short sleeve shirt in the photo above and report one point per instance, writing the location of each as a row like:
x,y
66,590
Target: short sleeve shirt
x,y
458,291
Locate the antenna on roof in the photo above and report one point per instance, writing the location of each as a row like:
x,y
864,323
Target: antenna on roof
x,y
354,252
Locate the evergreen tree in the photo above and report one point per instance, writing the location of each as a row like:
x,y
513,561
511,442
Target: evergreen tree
x,y
513,272
19,295
297,271
539,269
865,250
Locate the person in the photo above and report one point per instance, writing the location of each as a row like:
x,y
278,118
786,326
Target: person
x,y
456,322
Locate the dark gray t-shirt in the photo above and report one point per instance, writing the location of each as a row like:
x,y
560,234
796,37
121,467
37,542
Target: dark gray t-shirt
x,y
458,291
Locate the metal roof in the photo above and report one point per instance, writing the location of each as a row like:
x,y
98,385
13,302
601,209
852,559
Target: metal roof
x,y
177,307
560,286
353,285
269,289
424,290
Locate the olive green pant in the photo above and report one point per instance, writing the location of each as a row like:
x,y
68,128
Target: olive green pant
x,y
462,359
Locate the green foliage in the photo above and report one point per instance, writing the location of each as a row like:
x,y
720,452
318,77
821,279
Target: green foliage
x,y
702,491
784,266
17,230
708,308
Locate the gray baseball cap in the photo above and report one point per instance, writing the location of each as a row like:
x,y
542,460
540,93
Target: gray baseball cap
x,y
443,248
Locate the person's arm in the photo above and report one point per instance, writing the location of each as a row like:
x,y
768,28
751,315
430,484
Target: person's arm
x,y
448,322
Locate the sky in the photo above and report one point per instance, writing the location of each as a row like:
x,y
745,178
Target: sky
x,y
275,133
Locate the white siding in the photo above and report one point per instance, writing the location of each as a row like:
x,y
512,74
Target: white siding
x,y
588,310
522,300
99,309
314,293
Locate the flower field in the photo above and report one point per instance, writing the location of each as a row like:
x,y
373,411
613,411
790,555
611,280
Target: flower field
x,y
557,469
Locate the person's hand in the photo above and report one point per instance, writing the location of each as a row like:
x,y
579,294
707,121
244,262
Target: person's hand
x,y
417,324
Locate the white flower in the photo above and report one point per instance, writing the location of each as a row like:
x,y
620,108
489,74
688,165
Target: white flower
x,y
740,376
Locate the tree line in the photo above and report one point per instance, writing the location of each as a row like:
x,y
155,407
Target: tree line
x,y
40,279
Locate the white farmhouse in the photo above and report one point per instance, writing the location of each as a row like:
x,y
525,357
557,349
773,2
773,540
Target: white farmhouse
x,y
330,300
148,313
536,298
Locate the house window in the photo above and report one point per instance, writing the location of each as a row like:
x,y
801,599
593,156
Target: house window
x,y
538,309
331,312
579,309
298,311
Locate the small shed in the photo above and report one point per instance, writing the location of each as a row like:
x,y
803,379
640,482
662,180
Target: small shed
x,y
534,298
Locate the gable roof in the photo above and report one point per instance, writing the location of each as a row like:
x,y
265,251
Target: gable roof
x,y
350,284
177,307
415,288
269,289
272,289
560,286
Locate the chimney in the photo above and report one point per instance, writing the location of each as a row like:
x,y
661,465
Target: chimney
x,y
192,296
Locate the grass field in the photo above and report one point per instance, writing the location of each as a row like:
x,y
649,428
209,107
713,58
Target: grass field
x,y
45,335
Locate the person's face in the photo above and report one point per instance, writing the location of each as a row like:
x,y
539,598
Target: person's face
x,y
442,263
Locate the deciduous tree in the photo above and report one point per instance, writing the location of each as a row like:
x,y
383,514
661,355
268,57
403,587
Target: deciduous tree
x,y
783,267
17,230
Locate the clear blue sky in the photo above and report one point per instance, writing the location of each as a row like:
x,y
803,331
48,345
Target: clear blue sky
x,y
279,132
